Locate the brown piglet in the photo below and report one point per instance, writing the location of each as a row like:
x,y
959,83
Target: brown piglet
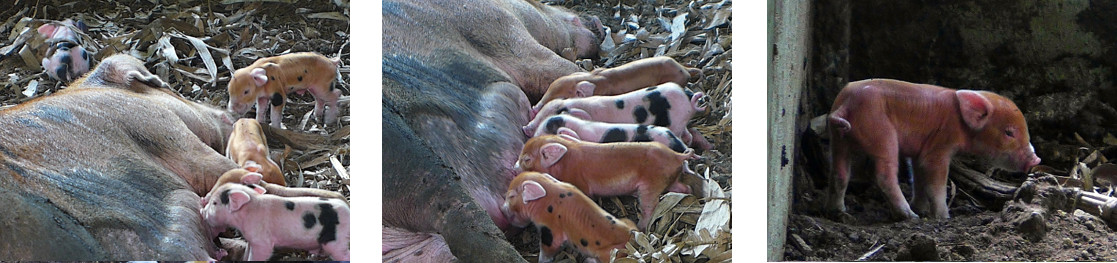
x,y
269,80
248,144
643,169
887,120
543,200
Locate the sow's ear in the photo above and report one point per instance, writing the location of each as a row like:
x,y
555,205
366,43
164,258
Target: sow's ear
x,y
975,108
552,152
532,191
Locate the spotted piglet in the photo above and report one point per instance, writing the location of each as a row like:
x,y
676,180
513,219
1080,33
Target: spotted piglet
x,y
65,59
268,221
543,200
267,82
667,105
609,132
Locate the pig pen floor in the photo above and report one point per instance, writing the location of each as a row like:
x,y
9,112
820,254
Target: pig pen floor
x,y
1042,229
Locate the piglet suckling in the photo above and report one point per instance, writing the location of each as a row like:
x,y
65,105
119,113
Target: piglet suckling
x,y
267,82
269,221
249,174
667,105
887,120
643,169
248,144
65,59
563,213
618,80
609,132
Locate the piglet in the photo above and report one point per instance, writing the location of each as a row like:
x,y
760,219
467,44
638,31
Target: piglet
x,y
667,105
543,200
609,132
269,80
887,120
612,81
268,221
122,71
645,169
250,175
65,59
248,144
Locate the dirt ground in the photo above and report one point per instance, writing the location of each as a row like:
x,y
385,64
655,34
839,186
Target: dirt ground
x,y
1039,223
178,39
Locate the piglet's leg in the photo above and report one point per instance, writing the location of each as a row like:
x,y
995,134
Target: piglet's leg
x,y
277,103
648,200
919,191
259,251
332,111
884,155
261,110
934,173
325,100
549,248
839,175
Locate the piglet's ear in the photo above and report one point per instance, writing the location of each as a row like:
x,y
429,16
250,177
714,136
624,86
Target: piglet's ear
x,y
260,76
584,89
580,113
251,178
568,132
975,108
532,191
47,30
552,152
252,166
238,199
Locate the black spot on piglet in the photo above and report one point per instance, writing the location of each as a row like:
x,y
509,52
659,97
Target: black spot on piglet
x,y
614,135
300,78
276,99
545,236
659,106
676,144
640,113
290,205
620,104
562,195
225,197
554,123
642,134
549,209
584,243
308,220
329,223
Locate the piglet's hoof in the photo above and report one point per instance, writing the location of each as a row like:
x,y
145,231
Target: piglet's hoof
x,y
840,217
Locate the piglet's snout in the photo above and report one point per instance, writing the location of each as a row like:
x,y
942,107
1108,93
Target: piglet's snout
x,y
1031,159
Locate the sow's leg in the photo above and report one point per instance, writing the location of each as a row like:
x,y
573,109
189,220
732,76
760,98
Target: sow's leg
x,y
421,194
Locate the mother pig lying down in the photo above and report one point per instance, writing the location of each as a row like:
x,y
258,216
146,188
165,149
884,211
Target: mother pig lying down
x,y
109,173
